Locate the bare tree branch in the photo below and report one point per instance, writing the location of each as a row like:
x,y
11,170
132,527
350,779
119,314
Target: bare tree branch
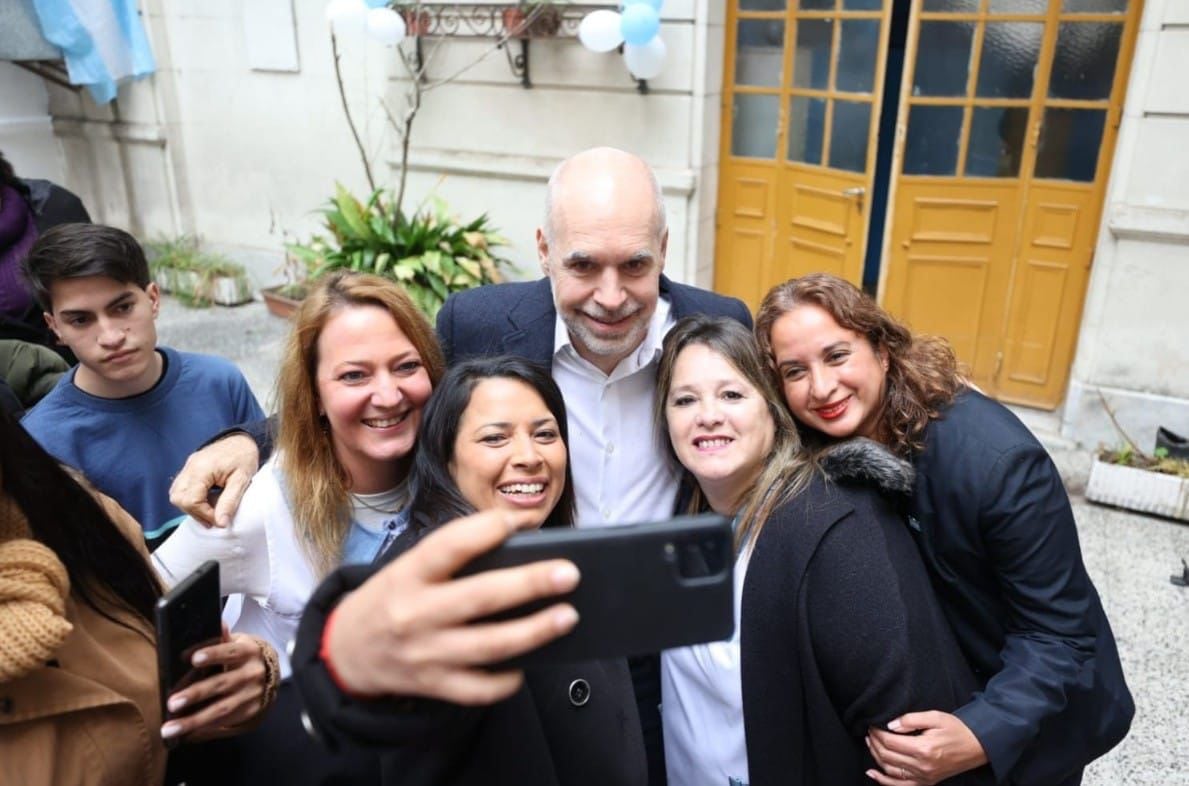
x,y
338,78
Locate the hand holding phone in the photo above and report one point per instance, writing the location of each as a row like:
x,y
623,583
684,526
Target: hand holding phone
x,y
645,587
188,618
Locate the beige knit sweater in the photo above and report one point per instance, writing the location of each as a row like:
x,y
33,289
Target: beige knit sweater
x,y
33,591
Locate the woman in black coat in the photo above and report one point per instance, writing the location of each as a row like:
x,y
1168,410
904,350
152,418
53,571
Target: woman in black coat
x,y
838,625
993,523
492,438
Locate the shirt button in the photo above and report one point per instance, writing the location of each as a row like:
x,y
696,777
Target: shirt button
x,y
606,513
579,692
610,448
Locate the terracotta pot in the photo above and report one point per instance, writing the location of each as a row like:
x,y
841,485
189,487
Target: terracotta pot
x,y
544,22
416,24
279,305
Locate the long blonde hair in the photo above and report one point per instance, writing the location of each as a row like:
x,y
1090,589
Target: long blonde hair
x,y
317,483
787,468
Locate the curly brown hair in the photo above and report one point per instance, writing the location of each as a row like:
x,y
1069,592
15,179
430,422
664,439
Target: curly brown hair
x,y
923,374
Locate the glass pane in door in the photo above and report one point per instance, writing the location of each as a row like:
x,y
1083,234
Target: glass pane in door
x,y
1008,64
759,47
1018,6
996,141
816,5
858,46
811,63
1069,142
951,6
1084,63
943,59
761,5
849,135
807,123
932,144
753,125
1094,7
862,5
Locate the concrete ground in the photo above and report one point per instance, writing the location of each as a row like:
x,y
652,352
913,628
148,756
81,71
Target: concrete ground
x,y
1130,557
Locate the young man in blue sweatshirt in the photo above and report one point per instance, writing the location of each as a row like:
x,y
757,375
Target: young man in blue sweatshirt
x,y
131,412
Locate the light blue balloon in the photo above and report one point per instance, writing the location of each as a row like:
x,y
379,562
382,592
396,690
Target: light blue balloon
x,y
639,23
656,4
377,3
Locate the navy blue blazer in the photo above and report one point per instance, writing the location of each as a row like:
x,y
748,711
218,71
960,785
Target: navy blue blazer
x,y
519,318
994,525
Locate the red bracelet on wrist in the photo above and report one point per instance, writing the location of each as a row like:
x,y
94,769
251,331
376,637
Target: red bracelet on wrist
x,y
324,655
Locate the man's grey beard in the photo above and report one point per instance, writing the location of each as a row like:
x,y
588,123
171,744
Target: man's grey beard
x,y
580,333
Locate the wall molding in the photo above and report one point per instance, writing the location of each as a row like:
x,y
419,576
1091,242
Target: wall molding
x,y
673,182
1152,224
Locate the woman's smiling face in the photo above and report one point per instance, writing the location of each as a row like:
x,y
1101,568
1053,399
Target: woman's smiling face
x,y
371,387
509,453
719,424
831,377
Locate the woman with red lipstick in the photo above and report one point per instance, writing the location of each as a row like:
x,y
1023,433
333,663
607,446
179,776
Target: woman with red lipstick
x,y
837,625
493,438
993,523
356,372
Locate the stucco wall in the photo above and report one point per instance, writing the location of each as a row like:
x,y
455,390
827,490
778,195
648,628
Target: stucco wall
x,y
242,156
25,132
1134,340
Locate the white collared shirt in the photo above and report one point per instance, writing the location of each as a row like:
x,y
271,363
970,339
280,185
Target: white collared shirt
x,y
621,473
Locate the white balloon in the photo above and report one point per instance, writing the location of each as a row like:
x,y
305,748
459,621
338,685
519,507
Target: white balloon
x,y
599,30
386,26
646,61
347,17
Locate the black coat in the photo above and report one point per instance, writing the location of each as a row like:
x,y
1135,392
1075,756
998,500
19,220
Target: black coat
x,y
542,735
840,628
994,525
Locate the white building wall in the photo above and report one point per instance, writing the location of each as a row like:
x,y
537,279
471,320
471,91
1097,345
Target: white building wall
x,y
244,156
1134,339
26,137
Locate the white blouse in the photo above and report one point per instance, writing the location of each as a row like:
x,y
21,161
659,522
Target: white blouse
x,y
702,707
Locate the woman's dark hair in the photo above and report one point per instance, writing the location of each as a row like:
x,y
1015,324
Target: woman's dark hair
x,y
105,570
8,177
435,496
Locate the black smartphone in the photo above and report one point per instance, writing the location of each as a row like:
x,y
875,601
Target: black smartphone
x,y
188,618
645,587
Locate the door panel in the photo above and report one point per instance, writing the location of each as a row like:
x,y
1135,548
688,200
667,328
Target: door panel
x,y
948,275
801,103
1007,124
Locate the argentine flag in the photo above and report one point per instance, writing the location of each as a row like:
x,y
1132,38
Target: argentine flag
x,y
102,41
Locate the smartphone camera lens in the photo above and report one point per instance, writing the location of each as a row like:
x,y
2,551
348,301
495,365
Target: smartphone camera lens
x,y
701,557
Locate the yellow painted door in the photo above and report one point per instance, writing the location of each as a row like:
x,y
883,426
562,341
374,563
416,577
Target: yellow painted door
x,y
801,101
1007,124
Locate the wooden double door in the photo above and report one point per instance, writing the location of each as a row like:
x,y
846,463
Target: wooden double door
x,y
974,214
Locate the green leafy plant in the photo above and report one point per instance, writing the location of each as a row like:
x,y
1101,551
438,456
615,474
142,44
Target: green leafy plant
x,y
430,254
182,268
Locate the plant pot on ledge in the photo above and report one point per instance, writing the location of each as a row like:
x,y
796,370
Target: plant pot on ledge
x,y
531,21
282,301
1139,489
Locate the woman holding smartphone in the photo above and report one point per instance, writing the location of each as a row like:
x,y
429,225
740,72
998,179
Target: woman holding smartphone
x,y
357,369
993,523
78,660
838,628
493,438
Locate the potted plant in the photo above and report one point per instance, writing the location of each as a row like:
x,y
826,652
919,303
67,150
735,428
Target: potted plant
x,y
195,277
283,299
1129,478
531,20
430,253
